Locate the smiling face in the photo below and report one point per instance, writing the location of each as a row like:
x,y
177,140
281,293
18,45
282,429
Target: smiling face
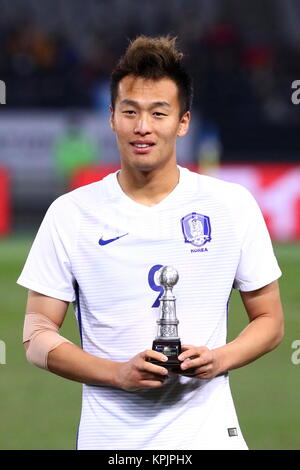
x,y
147,123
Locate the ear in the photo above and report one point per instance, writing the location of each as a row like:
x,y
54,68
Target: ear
x,y
184,124
111,118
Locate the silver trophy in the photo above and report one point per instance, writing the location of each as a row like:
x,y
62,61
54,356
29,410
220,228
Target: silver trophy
x,y
167,340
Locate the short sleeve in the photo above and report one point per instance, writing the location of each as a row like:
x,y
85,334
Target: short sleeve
x,y
48,266
257,265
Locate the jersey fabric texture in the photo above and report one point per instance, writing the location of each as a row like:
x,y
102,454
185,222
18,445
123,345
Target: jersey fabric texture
x,y
100,249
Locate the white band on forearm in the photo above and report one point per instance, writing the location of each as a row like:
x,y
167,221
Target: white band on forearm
x,y
42,334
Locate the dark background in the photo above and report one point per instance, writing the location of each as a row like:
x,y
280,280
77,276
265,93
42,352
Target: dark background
x,y
243,57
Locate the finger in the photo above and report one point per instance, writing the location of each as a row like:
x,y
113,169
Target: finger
x,y
192,352
143,364
188,364
146,365
157,378
188,353
192,363
160,374
151,354
199,372
154,369
151,383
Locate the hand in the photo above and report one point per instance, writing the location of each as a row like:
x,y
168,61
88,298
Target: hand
x,y
138,372
199,362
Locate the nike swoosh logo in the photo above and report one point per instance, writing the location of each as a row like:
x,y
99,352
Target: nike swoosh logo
x,y
106,242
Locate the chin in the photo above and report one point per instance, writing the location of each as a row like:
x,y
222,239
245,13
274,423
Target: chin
x,y
147,164
143,165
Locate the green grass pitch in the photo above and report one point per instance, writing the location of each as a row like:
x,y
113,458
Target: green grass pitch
x,y
41,411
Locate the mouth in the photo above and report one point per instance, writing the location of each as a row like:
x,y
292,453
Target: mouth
x,y
142,147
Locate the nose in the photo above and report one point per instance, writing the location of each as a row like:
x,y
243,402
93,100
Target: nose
x,y
143,125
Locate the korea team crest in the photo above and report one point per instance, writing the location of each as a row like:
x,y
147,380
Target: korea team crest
x,y
196,229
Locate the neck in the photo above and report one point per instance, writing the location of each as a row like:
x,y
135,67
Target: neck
x,y
148,187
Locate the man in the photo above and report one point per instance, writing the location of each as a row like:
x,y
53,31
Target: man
x,y
102,245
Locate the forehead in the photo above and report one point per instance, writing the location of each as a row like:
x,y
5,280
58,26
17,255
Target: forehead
x,y
145,90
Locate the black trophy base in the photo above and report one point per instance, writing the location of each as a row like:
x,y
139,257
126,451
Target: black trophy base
x,y
171,349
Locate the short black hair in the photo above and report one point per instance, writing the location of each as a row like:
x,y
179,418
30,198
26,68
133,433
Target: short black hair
x,y
153,59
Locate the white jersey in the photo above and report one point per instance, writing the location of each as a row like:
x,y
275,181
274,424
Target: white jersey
x,y
102,250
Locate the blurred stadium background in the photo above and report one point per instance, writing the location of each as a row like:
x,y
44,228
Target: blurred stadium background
x,y
55,59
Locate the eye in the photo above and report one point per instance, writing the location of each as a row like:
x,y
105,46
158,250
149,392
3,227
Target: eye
x,y
158,114
130,112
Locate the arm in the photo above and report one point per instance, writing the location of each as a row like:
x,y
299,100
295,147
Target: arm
x,y
263,333
71,362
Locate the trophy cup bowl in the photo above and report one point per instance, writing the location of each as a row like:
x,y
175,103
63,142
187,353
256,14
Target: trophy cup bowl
x,y
167,340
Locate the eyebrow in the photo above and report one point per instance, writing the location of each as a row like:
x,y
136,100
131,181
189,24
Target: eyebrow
x,y
136,104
